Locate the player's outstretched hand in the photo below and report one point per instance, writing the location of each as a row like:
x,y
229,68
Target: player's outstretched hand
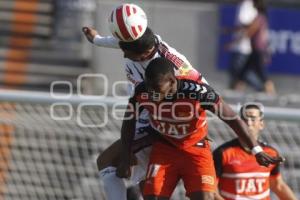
x,y
89,33
123,169
265,160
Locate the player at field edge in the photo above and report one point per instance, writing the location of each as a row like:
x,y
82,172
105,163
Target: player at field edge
x,y
239,176
185,137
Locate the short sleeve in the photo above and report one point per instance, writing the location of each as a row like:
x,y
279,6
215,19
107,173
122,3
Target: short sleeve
x,y
209,98
108,41
202,92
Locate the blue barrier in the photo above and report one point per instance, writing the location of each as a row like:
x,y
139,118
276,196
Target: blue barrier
x,y
284,38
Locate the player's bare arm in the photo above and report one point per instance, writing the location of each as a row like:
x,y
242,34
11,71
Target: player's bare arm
x,y
281,189
89,33
226,114
93,37
127,135
217,196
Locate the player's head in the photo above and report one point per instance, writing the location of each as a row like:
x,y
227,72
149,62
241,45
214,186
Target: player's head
x,y
141,49
160,78
252,114
260,5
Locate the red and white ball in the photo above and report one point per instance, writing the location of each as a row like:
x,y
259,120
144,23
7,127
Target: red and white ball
x,y
128,22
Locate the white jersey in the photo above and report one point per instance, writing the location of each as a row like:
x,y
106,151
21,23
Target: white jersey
x,y
108,41
135,71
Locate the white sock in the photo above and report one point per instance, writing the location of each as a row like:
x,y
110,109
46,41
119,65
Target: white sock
x,y
114,187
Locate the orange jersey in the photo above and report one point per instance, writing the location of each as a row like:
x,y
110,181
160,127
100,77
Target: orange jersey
x,y
240,176
181,119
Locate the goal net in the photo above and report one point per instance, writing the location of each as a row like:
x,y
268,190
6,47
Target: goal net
x,y
48,146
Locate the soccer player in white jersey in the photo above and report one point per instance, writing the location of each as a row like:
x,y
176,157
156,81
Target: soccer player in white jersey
x,y
137,56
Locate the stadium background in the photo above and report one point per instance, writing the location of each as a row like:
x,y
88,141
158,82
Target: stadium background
x,y
41,43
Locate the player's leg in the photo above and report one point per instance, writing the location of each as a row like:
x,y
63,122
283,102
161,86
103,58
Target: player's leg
x,y
261,72
162,173
134,193
198,173
107,161
201,196
150,197
249,73
238,62
110,156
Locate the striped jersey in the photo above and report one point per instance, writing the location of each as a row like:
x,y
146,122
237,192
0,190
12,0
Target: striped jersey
x,y
240,176
135,70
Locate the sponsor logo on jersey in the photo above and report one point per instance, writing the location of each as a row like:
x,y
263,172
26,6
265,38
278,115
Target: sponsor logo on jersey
x,y
174,130
206,179
185,70
249,185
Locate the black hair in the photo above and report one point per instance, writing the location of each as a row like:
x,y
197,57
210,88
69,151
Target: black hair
x,y
141,45
261,6
158,68
252,105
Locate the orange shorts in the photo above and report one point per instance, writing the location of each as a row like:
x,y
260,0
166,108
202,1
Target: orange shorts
x,y
169,164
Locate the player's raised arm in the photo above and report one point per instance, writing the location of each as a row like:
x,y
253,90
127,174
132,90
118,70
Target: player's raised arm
x,y
225,113
89,33
93,36
210,100
281,189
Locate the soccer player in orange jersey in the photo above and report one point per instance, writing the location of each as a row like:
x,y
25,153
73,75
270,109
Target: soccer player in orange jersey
x,y
177,112
137,56
240,176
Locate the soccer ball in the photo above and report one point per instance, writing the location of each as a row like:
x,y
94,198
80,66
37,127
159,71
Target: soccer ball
x,y
128,22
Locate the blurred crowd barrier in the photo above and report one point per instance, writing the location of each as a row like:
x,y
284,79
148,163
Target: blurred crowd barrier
x,y
41,42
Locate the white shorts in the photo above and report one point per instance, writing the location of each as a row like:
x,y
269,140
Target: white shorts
x,y
143,151
139,171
